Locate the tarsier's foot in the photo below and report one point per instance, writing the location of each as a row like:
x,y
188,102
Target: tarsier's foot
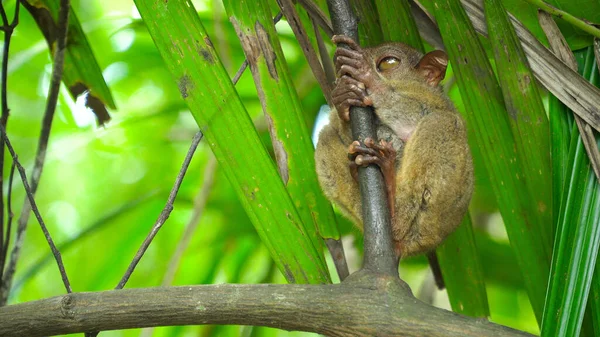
x,y
383,155
354,77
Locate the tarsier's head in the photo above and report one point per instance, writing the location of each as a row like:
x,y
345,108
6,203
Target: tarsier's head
x,y
399,61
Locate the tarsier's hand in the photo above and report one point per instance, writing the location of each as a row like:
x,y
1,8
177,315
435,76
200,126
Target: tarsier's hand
x,y
354,76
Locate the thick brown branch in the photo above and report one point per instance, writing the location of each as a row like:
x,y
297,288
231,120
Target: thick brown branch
x,y
379,256
364,305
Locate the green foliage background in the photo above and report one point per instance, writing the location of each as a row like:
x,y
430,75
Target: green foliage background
x,y
103,187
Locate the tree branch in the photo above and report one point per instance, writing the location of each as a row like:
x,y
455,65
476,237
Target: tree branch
x,y
379,256
288,9
365,305
36,212
199,205
40,157
8,29
164,214
582,24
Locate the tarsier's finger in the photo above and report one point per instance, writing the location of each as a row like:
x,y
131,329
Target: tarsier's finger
x,y
344,108
385,148
347,80
350,81
339,94
350,71
344,60
347,84
347,98
350,53
337,39
356,148
351,149
361,75
364,160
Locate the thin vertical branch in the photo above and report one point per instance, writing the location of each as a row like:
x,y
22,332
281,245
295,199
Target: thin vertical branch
x,y
36,212
190,228
289,10
53,91
317,15
336,249
4,246
244,65
240,72
323,54
8,29
379,256
164,214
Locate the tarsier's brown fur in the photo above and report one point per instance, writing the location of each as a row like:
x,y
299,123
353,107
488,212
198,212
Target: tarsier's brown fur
x,y
432,170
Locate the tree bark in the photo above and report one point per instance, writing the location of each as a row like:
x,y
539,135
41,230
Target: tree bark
x,y
364,305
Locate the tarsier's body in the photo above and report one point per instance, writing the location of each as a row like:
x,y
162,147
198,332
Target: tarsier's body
x,y
423,150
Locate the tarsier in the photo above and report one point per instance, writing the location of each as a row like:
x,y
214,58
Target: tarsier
x,y
422,150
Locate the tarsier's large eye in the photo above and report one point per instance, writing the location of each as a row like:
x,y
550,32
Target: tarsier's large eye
x,y
388,63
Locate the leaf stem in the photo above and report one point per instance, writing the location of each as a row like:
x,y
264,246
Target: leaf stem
x,y
575,21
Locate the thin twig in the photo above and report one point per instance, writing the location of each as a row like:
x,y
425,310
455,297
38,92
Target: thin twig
x,y
4,17
190,228
162,218
326,60
289,10
336,249
53,91
317,15
4,246
8,29
244,65
240,72
597,51
164,215
36,211
76,238
577,22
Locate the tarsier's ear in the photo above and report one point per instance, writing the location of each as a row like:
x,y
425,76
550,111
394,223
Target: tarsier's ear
x,y
433,67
